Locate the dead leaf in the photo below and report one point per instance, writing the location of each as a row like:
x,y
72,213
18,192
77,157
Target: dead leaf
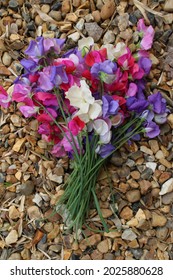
x,y
38,236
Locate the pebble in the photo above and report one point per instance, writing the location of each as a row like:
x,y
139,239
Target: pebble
x,y
123,21
18,145
15,256
147,173
137,253
26,188
13,4
133,195
34,212
96,15
135,175
117,159
75,36
12,237
167,187
109,37
94,30
6,59
128,234
158,220
90,241
136,155
124,172
170,120
165,162
80,24
146,150
65,6
54,233
151,165
2,178
162,233
26,255
126,213
45,8
107,9
13,213
103,246
159,155
168,7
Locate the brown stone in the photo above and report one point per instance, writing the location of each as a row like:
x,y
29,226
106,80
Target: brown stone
x,y
126,213
133,195
135,175
103,246
4,71
158,220
108,9
65,6
90,241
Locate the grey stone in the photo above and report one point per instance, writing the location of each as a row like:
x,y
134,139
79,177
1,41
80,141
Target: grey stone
x,y
147,173
94,30
2,178
137,253
13,4
26,188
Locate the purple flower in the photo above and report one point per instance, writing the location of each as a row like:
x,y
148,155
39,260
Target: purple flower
x,y
106,150
152,129
137,105
104,71
29,64
58,75
158,103
110,106
35,48
147,115
145,63
50,44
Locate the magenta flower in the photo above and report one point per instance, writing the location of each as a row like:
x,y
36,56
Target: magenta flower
x,y
4,98
132,90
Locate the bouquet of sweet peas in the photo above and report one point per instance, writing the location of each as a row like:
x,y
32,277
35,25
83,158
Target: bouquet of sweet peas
x,y
88,101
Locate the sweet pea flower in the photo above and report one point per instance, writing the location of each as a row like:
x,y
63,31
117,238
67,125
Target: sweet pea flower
x,y
152,129
76,125
104,71
28,111
115,52
132,90
134,104
85,43
147,35
81,97
110,106
157,102
102,127
105,150
145,63
21,92
4,98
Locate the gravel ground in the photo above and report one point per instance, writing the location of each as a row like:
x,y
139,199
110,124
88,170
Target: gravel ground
x,y
135,190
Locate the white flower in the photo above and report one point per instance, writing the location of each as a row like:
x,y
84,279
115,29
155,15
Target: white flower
x,y
115,52
85,42
81,97
102,128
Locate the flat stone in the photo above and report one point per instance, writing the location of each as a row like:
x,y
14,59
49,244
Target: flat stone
x,y
109,37
162,233
26,188
80,24
18,145
75,36
107,9
170,120
90,241
34,212
54,233
103,246
6,59
13,213
126,213
158,220
146,150
151,165
168,7
15,256
133,195
159,154
128,234
94,30
12,237
26,255
167,187
4,71
147,173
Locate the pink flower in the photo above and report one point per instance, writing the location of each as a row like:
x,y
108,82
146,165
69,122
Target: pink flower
x,y
4,98
46,98
76,125
148,35
21,92
28,111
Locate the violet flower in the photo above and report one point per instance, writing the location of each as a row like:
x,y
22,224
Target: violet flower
x,y
158,103
137,105
109,106
29,64
58,75
145,63
106,150
104,71
152,130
